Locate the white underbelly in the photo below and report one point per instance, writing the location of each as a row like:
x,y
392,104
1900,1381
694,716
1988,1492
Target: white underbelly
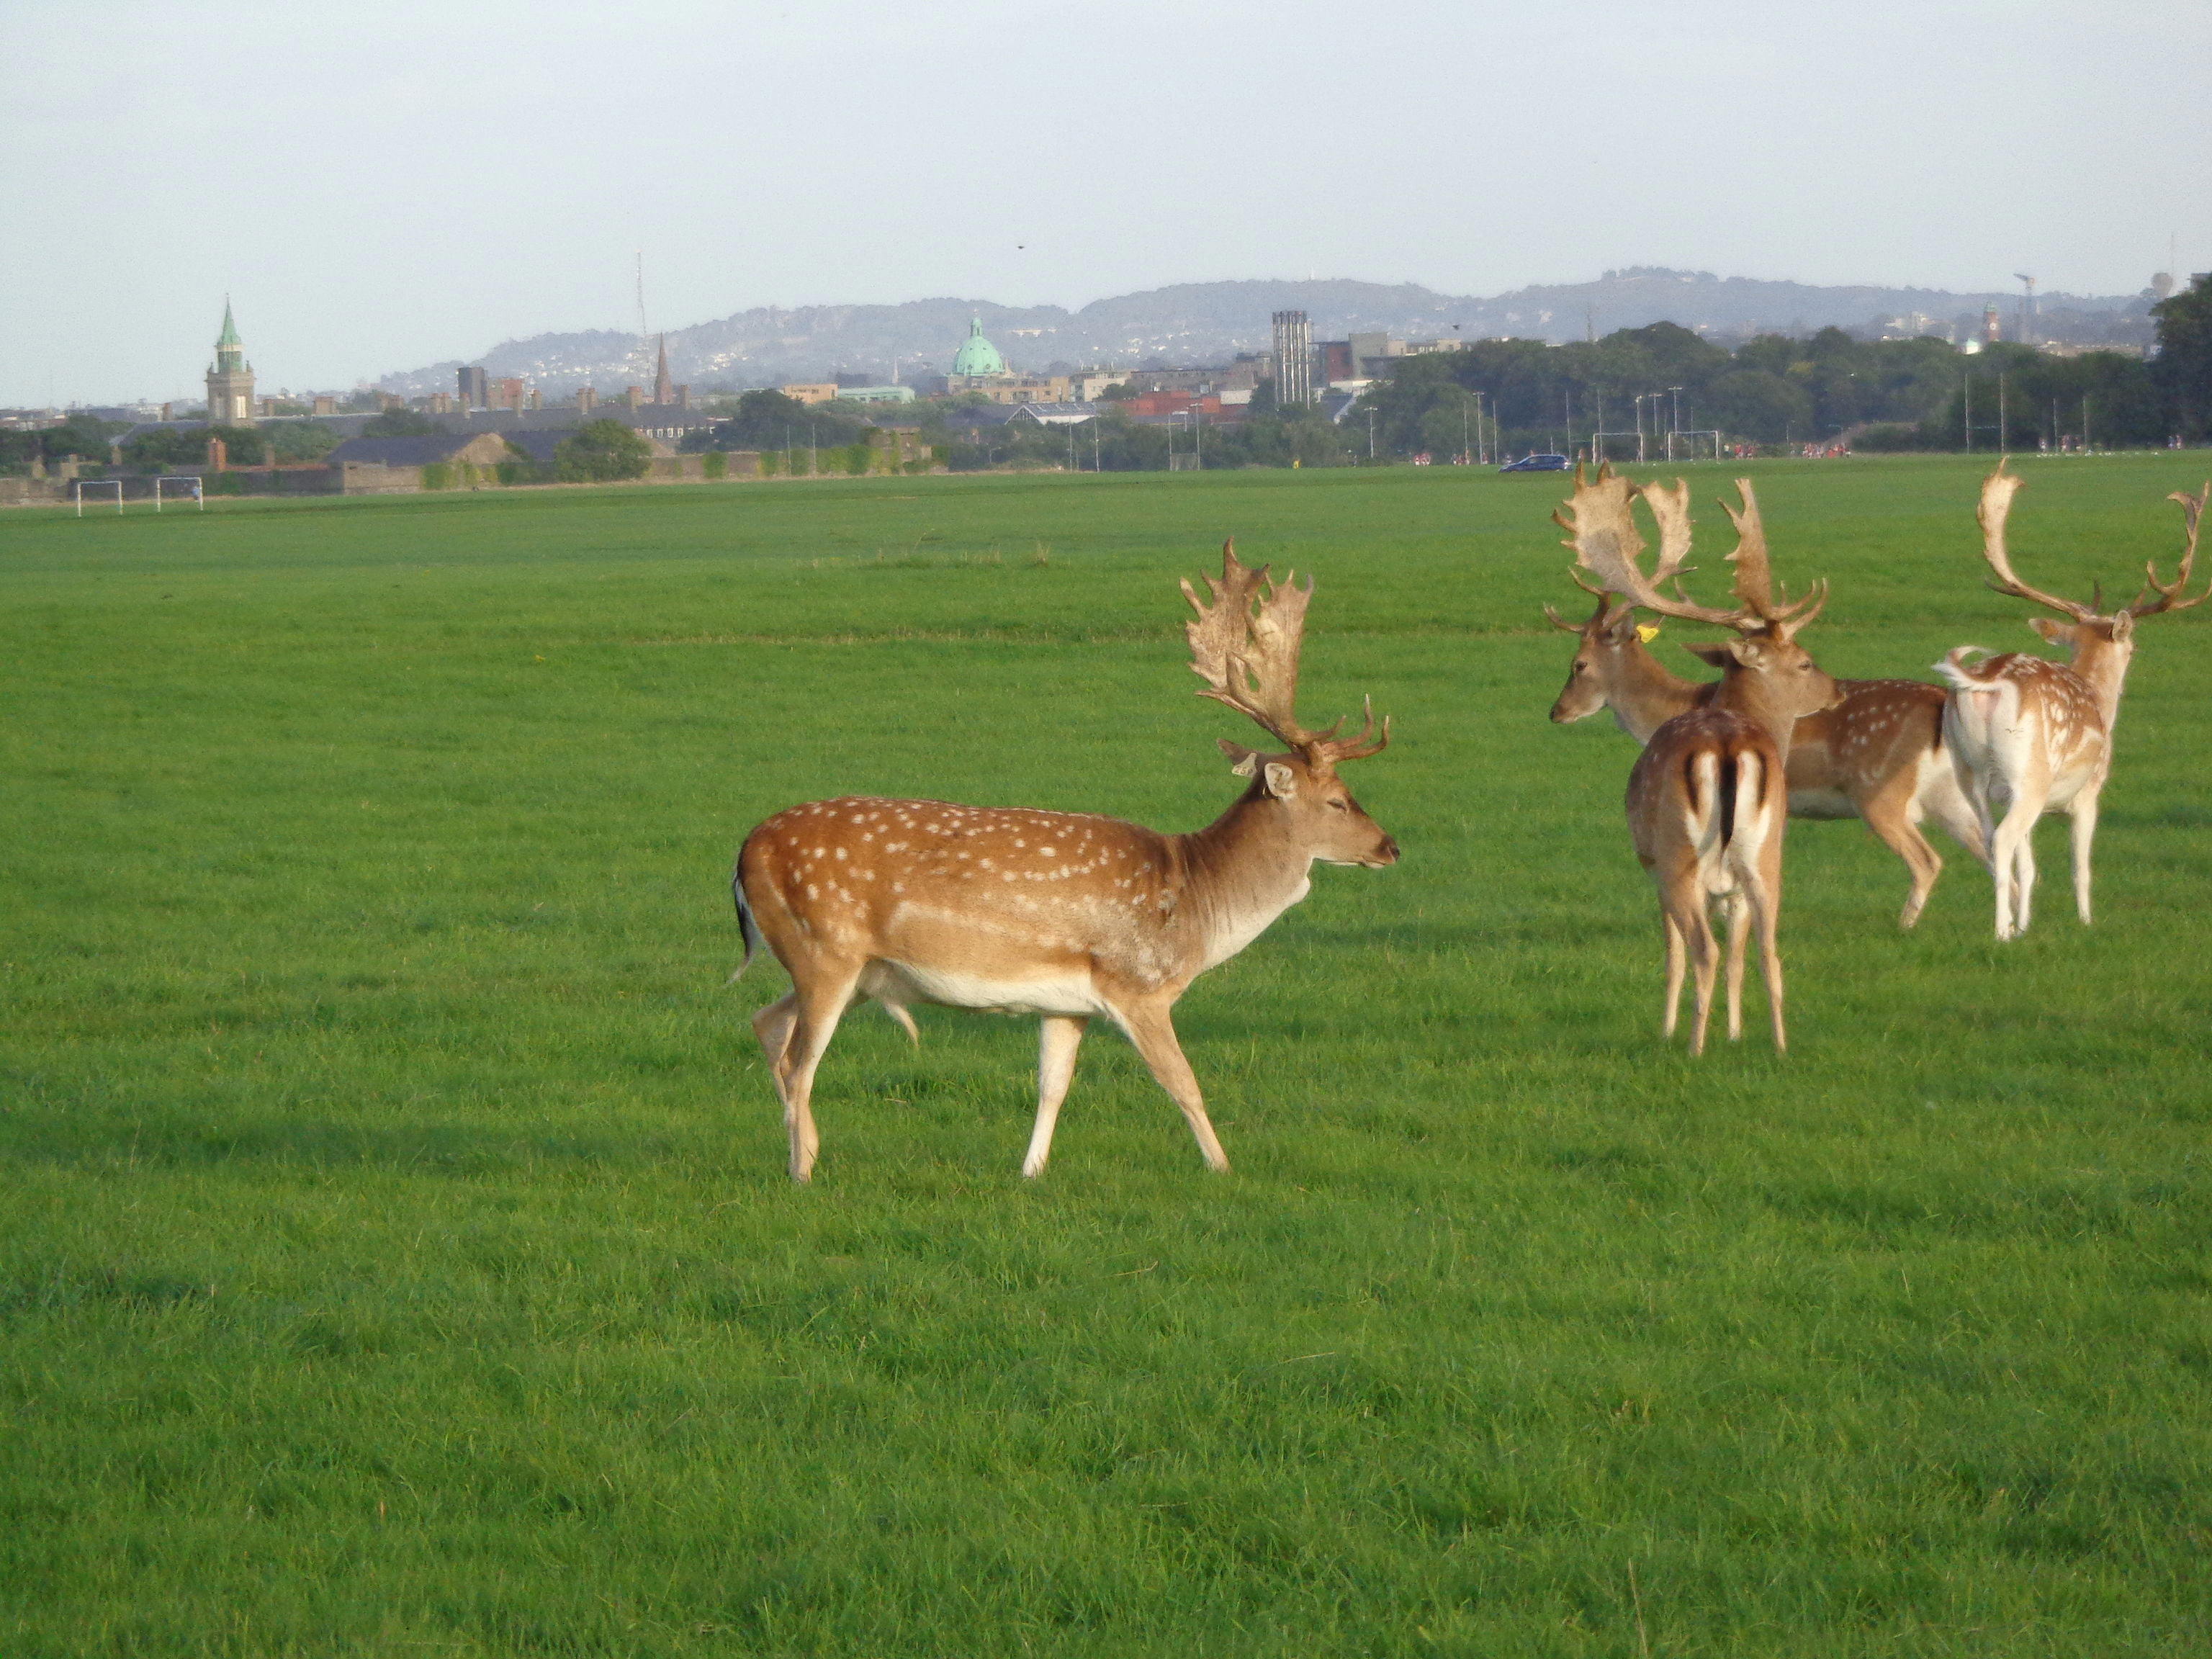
x,y
1821,804
905,981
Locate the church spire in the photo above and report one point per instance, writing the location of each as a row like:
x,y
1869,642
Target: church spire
x,y
230,379
664,389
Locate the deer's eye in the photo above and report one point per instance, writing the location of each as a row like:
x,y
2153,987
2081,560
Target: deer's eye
x,y
1339,806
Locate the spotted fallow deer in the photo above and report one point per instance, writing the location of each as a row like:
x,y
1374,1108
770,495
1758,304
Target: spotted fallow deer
x,y
1707,799
1877,755
1065,916
2037,734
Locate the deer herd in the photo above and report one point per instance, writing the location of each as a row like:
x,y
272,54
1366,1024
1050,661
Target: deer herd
x,y
1074,917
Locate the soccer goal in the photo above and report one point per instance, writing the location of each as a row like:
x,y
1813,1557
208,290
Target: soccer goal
x,y
1689,449
189,485
115,484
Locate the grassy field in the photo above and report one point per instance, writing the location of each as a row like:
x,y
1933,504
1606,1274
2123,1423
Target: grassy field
x,y
396,1256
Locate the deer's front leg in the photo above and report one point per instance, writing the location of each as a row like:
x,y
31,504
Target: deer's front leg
x,y
1151,1029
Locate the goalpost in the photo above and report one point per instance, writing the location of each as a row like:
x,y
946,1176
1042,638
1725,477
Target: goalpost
x,y
1715,436
199,498
115,484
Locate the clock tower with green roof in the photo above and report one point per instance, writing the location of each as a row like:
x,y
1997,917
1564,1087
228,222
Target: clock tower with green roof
x,y
230,377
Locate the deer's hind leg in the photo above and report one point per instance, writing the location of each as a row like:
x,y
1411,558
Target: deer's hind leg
x,y
1738,912
1684,903
822,998
2012,860
1890,813
1058,1037
2084,816
772,1025
1676,958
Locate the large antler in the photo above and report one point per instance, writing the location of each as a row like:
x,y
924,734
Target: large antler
x,y
1997,491
2169,593
1608,544
1244,646
1754,577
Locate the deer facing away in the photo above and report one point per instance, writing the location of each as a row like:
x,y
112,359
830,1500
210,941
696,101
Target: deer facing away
x,y
2037,734
1877,755
1068,916
1707,799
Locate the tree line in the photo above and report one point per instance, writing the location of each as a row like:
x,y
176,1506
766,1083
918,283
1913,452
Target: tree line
x,y
1779,389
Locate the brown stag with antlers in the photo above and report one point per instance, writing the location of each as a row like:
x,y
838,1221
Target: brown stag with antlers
x,y
1065,916
2038,734
1707,800
1877,755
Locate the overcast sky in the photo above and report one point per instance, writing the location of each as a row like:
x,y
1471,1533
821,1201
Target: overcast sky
x,y
380,187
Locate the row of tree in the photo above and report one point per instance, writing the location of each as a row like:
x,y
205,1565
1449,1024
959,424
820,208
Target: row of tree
x,y
1776,389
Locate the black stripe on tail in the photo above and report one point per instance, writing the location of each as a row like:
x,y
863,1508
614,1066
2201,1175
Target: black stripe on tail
x,y
1728,787
748,929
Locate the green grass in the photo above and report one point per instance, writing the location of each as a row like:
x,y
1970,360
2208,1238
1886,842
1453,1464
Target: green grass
x,y
395,1256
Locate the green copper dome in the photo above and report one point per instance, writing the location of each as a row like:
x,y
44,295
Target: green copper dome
x,y
977,355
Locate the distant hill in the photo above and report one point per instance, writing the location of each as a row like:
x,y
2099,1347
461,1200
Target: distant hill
x,y
1211,322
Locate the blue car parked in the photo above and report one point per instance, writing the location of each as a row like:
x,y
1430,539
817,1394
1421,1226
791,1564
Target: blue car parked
x,y
1538,464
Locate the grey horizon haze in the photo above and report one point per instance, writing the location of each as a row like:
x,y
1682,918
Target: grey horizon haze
x,y
378,190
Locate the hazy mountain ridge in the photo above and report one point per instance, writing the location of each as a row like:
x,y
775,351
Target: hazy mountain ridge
x,y
1210,322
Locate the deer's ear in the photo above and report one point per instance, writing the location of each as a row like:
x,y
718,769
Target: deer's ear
x,y
1282,782
1242,761
2050,628
1719,652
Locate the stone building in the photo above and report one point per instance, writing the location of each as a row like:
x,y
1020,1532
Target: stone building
x,y
230,377
977,367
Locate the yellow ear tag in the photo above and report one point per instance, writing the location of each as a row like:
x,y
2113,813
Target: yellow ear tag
x,y
1647,632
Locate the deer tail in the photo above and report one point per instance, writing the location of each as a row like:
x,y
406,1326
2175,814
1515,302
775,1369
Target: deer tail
x,y
748,929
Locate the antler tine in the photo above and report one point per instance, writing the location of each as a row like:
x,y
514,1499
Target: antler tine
x,y
1670,511
2169,593
1754,574
1607,542
1245,644
1333,751
1997,491
1606,607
